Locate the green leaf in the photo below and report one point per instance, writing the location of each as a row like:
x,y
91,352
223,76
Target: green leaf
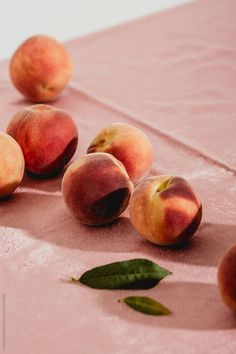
x,y
131,274
146,305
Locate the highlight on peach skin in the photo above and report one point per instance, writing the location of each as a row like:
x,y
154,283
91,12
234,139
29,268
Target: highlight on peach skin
x,y
129,145
96,188
11,165
48,137
227,278
165,210
40,68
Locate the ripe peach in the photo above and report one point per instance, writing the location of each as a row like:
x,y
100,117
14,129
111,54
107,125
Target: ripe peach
x,y
96,188
165,210
48,137
40,68
129,145
12,165
227,278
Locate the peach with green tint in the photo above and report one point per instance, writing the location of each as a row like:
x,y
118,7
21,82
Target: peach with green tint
x,y
165,210
129,145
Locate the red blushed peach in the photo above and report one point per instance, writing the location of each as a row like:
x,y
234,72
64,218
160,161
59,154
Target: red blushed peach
x,y
11,165
40,68
129,145
96,188
227,278
48,138
165,210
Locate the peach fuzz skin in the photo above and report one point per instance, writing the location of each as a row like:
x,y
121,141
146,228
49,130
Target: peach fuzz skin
x,y
227,278
48,138
96,188
12,165
40,68
165,210
129,145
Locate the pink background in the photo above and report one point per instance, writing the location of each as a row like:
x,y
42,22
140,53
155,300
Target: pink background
x,y
173,75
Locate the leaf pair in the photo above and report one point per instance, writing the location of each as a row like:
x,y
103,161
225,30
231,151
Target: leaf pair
x,y
131,274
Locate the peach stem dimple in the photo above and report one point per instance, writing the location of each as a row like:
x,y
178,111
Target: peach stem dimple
x,y
98,144
162,187
101,143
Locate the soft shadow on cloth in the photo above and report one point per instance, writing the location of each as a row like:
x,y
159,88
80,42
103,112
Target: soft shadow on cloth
x,y
46,218
195,306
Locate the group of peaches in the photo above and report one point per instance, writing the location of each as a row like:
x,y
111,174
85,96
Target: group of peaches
x,y
99,186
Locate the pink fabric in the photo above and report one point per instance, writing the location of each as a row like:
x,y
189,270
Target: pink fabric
x,y
174,76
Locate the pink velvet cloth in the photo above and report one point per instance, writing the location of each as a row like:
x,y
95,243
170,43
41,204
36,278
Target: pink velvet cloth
x,y
173,75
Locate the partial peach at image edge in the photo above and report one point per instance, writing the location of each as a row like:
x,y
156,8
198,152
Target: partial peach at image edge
x,y
12,165
226,278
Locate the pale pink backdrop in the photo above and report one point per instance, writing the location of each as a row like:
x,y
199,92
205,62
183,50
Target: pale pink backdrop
x,y
173,75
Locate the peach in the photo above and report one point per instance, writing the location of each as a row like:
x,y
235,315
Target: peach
x,y
48,137
165,210
96,188
227,278
129,145
12,165
40,68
